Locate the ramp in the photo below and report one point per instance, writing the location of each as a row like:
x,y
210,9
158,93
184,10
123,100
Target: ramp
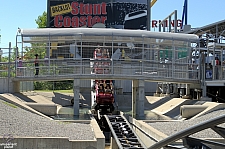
x,y
123,133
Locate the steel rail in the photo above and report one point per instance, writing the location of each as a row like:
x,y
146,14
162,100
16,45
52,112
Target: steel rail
x,y
123,133
189,131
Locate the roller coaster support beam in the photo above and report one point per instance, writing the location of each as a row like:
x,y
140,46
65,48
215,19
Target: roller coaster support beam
x,y
149,15
150,4
138,97
186,134
184,15
76,91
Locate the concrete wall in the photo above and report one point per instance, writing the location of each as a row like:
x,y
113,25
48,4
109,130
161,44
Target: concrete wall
x,y
56,142
98,135
26,86
49,109
4,87
143,128
9,86
126,85
49,143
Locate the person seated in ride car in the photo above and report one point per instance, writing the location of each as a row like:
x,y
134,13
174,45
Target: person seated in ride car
x,y
100,90
108,90
98,53
105,54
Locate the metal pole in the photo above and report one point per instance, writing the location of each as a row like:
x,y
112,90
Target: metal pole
x,y
16,54
21,50
164,26
186,5
204,88
169,23
112,72
49,49
214,71
221,65
1,55
175,21
149,15
9,65
81,49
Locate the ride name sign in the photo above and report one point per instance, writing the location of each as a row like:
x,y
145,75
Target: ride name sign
x,y
121,14
87,13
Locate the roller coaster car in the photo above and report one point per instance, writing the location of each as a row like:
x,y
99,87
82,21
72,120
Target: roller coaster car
x,y
104,96
103,88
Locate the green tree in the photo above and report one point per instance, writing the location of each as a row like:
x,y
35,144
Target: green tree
x,y
40,49
41,21
37,48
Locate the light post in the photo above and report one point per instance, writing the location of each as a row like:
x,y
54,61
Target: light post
x,y
1,52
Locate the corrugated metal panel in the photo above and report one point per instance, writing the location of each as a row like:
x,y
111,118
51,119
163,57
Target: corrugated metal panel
x,y
85,83
26,86
150,87
4,85
7,85
127,86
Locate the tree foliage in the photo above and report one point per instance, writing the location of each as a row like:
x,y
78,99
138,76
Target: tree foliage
x,y
40,49
41,21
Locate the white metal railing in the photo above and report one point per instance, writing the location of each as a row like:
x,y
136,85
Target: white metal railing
x,y
131,68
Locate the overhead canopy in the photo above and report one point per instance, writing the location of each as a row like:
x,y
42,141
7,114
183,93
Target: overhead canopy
x,y
217,29
44,32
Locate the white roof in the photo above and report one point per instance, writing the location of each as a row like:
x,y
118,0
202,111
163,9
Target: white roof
x,y
106,32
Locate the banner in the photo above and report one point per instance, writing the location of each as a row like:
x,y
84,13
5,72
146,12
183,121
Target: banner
x,y
126,14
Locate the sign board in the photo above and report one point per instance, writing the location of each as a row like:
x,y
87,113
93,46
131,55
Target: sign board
x,y
126,14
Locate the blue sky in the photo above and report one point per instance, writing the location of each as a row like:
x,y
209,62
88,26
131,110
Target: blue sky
x,y
23,13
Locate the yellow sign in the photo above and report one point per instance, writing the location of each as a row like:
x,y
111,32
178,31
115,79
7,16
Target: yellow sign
x,y
60,9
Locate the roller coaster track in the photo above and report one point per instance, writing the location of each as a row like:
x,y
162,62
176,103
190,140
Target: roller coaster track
x,y
123,133
126,138
153,2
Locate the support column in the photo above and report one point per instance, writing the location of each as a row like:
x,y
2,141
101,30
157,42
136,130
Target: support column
x,y
138,97
157,93
175,91
168,90
76,92
187,96
163,90
204,94
16,87
113,144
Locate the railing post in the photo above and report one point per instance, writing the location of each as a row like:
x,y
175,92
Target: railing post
x,y
112,71
9,63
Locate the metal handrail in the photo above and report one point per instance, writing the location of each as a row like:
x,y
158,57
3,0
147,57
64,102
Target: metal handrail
x,y
132,67
212,123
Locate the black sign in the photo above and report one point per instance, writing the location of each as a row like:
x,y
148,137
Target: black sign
x,y
95,13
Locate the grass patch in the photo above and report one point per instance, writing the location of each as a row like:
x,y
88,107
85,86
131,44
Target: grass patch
x,y
9,104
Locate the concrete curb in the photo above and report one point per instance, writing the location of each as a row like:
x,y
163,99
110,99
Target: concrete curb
x,y
11,99
98,134
142,128
49,143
